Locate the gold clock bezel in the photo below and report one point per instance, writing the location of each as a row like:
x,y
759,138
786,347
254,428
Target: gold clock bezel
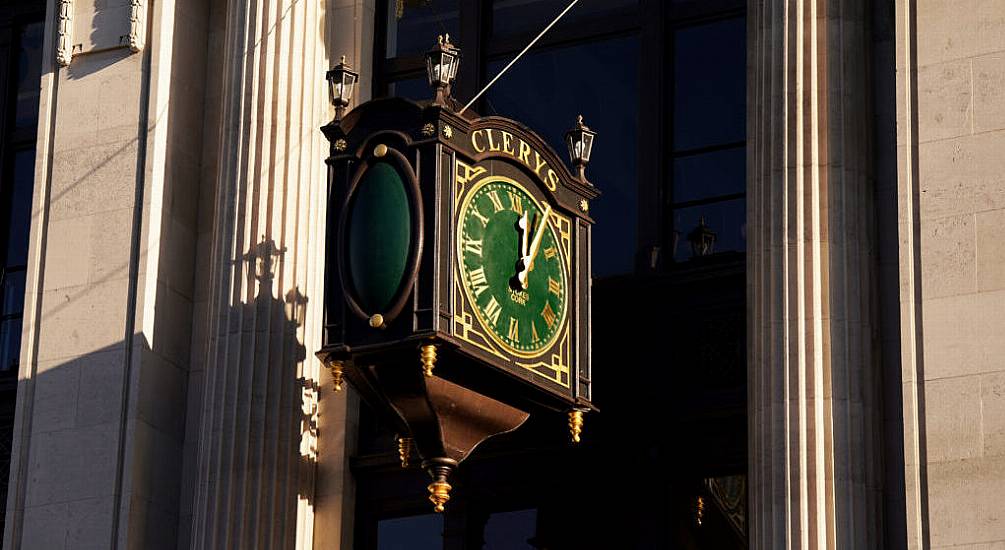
x,y
563,262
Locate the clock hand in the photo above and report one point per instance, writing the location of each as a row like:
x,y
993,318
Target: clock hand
x,y
522,223
528,260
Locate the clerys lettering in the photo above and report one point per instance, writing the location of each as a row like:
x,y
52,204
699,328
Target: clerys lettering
x,y
501,141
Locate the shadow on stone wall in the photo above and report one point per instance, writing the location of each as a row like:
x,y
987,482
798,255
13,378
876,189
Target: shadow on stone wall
x,y
113,422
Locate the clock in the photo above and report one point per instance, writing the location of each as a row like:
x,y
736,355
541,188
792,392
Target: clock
x,y
457,280
512,268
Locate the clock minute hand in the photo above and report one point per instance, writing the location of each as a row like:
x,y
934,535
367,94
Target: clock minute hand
x,y
528,261
522,223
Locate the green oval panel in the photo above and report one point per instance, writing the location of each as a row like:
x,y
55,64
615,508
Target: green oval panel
x,y
379,237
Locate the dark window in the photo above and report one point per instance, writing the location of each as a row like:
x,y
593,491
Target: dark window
x,y
424,532
664,85
20,69
536,91
708,136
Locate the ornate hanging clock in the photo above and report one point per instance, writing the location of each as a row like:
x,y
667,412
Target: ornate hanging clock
x,y
458,270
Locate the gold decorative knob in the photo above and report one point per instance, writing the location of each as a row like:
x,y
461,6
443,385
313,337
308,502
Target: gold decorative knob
x,y
575,424
404,450
380,150
336,369
376,320
439,494
428,357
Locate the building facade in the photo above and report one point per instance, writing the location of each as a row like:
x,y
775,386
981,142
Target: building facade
x,y
831,376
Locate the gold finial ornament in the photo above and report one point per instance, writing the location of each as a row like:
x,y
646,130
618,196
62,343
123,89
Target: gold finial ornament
x,y
336,369
439,494
404,450
575,424
380,150
699,510
376,320
428,356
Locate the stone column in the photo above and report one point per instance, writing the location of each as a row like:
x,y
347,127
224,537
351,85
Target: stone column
x,y
813,376
255,460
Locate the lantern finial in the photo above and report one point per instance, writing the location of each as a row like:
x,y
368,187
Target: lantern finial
x,y
580,142
341,84
442,62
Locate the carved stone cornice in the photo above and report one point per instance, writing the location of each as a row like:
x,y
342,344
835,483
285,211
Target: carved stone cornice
x,y
137,28
64,29
116,27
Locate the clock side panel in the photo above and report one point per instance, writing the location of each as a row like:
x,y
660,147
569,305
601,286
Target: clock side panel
x,y
445,199
583,275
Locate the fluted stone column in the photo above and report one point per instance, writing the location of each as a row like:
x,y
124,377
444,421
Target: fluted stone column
x,y
257,448
813,376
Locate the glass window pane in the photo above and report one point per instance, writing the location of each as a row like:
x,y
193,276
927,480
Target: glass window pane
x,y
728,219
12,293
547,89
20,208
709,175
29,67
516,17
10,345
510,530
710,72
413,25
423,532
413,88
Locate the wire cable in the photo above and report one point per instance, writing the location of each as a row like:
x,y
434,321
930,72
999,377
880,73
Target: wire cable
x,y
518,56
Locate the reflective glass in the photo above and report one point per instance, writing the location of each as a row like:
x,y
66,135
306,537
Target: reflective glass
x,y
516,17
413,88
423,532
12,292
10,344
710,94
709,175
20,208
547,90
510,530
29,67
413,25
727,219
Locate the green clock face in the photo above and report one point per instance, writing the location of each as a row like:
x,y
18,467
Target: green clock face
x,y
511,266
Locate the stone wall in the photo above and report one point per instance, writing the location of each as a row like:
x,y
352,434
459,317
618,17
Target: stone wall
x,y
951,136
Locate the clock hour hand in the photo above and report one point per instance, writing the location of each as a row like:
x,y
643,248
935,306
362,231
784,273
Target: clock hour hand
x,y
528,260
522,225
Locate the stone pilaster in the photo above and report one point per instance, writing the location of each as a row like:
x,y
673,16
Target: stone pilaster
x,y
813,377
256,454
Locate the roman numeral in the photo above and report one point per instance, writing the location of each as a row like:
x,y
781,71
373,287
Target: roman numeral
x,y
492,311
479,283
554,287
533,331
472,246
514,330
496,201
550,252
515,203
477,214
549,315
